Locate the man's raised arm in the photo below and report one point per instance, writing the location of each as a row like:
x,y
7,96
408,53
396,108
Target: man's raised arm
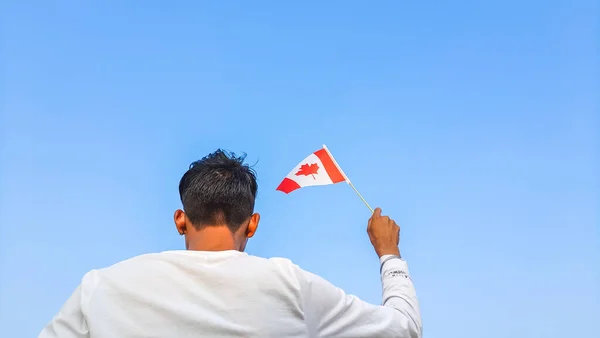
x,y
332,313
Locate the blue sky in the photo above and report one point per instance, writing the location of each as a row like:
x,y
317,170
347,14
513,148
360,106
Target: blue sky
x,y
474,124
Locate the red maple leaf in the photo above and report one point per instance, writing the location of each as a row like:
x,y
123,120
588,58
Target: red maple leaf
x,y
308,169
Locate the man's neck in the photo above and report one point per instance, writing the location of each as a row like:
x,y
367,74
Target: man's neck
x,y
211,238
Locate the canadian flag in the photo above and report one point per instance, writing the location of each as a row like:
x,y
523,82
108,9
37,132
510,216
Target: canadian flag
x,y
319,168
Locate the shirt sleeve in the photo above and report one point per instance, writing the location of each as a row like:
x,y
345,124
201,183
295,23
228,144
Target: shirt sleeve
x,y
69,322
330,312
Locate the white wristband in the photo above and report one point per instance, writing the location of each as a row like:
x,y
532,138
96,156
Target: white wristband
x,y
387,258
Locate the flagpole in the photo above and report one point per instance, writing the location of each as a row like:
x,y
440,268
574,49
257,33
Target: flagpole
x,y
359,195
347,179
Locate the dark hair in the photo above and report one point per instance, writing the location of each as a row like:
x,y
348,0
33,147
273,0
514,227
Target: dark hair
x,y
219,189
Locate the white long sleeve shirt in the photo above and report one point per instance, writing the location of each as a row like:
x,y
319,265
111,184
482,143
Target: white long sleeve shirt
x,y
177,294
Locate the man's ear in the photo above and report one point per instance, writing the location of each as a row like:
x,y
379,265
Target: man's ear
x,y
252,225
180,221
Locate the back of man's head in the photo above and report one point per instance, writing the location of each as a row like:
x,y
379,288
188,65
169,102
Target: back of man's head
x,y
219,189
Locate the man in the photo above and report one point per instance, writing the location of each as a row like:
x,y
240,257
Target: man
x,y
214,289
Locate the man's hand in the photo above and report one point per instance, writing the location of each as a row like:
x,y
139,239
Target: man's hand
x,y
384,234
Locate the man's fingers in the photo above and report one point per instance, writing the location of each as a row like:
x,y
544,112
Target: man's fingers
x,y
377,212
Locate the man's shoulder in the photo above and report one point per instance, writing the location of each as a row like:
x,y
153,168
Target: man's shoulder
x,y
122,265
142,259
279,263
288,268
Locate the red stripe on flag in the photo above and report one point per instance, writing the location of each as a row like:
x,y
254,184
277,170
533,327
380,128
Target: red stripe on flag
x,y
287,186
332,170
